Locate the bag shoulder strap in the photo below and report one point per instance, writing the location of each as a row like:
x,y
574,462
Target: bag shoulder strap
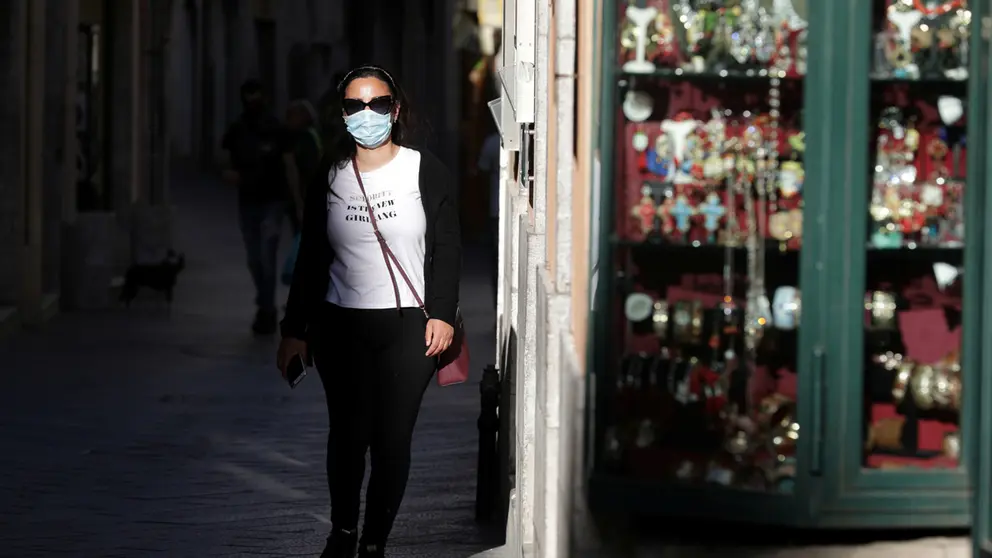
x,y
387,254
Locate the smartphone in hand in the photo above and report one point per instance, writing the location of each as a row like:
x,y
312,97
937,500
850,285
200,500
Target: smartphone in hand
x,y
296,370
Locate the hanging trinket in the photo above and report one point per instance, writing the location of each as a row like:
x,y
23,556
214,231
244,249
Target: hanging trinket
x,y
712,211
682,212
639,141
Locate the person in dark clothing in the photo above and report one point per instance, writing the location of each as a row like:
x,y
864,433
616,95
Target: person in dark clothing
x,y
374,325
259,147
301,119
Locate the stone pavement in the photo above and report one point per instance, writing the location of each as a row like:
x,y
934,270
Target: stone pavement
x,y
147,432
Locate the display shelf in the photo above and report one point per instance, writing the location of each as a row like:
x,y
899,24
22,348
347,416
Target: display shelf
x,y
679,74
855,216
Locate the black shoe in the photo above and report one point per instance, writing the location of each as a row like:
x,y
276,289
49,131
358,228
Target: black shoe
x,y
341,544
371,551
266,322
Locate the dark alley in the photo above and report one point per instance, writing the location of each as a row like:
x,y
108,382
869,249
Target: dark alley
x,y
143,432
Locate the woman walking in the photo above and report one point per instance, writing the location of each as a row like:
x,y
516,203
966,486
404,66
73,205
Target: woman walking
x,y
380,235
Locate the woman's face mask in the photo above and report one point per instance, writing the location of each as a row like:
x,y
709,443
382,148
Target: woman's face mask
x,y
370,129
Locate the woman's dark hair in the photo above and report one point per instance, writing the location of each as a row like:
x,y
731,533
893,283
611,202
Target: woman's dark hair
x,y
339,146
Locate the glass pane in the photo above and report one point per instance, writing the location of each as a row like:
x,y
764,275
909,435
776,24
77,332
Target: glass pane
x,y
916,235
708,228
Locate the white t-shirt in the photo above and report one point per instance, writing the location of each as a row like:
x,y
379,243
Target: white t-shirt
x,y
359,278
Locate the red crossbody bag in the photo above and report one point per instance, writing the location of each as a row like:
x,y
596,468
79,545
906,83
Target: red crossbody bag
x,y
453,363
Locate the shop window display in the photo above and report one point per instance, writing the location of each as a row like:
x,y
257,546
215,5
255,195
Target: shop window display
x,y
916,234
709,185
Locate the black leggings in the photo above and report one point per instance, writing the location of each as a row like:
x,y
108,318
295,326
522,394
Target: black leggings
x,y
374,372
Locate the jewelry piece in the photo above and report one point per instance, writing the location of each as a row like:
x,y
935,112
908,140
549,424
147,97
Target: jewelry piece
x,y
952,445
694,29
688,318
947,386
882,306
682,318
664,36
887,360
786,308
637,307
753,323
784,436
696,328
904,372
886,434
659,319
791,178
921,386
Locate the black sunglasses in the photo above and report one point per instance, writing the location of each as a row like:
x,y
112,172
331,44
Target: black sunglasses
x,y
381,105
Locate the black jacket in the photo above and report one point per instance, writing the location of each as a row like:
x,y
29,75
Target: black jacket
x,y
442,261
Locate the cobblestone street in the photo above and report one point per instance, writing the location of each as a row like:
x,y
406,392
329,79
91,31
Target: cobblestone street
x,y
148,432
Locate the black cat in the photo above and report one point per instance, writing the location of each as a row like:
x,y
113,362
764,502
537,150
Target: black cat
x,y
158,277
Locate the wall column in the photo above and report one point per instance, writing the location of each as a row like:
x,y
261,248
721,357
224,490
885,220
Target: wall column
x,y
13,19
152,214
32,164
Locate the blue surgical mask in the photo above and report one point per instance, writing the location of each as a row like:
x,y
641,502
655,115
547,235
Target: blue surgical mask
x,y
369,128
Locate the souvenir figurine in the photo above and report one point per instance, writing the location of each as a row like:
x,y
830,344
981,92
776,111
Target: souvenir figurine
x,y
903,17
693,22
665,209
645,210
664,38
659,157
692,160
678,130
954,58
791,178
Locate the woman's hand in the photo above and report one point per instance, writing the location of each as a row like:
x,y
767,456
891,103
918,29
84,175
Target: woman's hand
x,y
289,347
438,337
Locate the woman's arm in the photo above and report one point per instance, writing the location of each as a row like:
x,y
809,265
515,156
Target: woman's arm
x,y
446,267
298,311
